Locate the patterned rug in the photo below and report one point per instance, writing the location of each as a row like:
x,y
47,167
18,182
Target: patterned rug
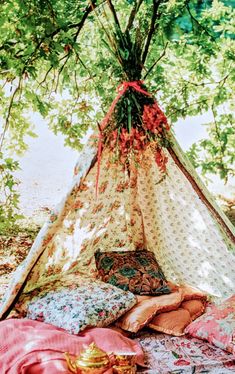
x,y
182,355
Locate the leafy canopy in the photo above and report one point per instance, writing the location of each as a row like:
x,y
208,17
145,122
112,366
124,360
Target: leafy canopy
x,y
59,58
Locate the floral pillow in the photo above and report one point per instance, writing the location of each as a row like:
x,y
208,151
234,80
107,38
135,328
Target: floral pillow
x,y
217,325
75,306
136,271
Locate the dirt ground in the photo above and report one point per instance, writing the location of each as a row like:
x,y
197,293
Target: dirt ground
x,y
13,250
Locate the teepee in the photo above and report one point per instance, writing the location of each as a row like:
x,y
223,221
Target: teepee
x,y
168,212
133,189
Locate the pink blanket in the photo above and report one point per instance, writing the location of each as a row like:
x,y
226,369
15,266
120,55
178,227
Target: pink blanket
x,y
32,347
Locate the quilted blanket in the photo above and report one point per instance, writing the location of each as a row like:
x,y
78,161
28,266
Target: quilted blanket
x,y
32,347
165,354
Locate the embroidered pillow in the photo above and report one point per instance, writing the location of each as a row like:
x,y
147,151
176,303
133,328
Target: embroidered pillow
x,y
136,271
217,325
83,303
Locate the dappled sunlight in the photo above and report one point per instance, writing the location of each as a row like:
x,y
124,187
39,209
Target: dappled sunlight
x,y
180,231
205,269
137,213
198,222
192,242
32,344
59,365
227,280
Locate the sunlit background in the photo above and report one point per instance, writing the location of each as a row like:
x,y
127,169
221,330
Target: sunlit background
x,y
47,166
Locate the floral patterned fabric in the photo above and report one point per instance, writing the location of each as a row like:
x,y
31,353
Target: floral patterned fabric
x,y
133,209
75,303
136,271
217,325
182,355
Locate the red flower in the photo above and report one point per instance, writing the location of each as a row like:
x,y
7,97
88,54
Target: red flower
x,y
161,159
131,140
181,362
78,204
154,119
113,139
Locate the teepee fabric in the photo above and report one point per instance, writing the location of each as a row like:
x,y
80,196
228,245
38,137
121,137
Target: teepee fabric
x,y
134,209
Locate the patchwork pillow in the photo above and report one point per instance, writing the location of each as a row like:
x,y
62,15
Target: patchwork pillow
x,y
217,325
136,271
83,303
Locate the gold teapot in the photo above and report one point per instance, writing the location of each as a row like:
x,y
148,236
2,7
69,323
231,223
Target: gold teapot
x,y
91,361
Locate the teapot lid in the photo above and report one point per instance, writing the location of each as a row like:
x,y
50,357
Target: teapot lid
x,y
93,354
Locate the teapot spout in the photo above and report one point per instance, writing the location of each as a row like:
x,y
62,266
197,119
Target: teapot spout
x,y
71,365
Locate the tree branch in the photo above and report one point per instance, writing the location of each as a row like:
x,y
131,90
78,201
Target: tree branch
x,y
113,11
221,82
77,25
45,77
198,23
220,143
176,110
133,14
159,58
7,121
85,67
51,9
49,70
61,69
155,15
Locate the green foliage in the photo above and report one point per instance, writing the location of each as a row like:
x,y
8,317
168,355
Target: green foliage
x,y
217,152
59,58
9,197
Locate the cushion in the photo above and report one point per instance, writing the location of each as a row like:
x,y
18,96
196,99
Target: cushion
x,y
176,321
136,271
148,306
172,323
192,293
217,325
28,346
195,308
142,313
83,303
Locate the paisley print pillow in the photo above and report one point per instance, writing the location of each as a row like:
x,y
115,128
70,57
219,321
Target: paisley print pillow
x,y
217,325
136,271
85,303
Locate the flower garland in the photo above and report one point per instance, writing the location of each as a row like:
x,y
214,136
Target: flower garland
x,y
133,122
